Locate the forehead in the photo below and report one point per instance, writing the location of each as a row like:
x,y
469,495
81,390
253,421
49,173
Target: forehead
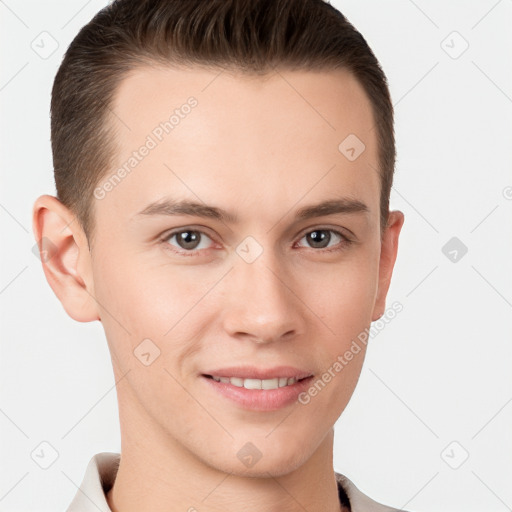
x,y
263,141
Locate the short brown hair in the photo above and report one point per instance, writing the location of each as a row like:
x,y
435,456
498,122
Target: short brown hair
x,y
252,36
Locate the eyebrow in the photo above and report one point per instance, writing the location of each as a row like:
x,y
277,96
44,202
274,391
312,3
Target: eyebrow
x,y
170,207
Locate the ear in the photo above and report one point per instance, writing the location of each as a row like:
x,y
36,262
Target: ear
x,y
389,249
65,256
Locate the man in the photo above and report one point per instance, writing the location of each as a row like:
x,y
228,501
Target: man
x,y
223,171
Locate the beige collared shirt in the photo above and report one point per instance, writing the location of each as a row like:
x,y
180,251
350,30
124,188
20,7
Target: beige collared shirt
x,y
102,469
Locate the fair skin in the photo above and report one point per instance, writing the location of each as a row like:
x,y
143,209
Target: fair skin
x,y
257,148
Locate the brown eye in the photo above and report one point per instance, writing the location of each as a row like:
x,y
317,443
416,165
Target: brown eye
x,y
325,239
319,238
188,240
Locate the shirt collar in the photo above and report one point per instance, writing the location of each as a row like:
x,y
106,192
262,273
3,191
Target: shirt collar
x,y
98,480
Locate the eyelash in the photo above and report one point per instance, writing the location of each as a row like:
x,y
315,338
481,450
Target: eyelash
x,y
343,244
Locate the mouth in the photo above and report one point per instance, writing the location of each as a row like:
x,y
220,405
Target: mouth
x,y
266,384
257,390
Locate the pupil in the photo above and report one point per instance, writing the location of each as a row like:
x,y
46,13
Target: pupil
x,y
188,239
319,237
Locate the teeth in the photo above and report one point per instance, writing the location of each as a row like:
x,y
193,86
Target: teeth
x,y
283,381
277,382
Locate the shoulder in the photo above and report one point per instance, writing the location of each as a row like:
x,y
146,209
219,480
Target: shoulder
x,y
359,502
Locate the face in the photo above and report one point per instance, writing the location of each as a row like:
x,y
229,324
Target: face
x,y
242,242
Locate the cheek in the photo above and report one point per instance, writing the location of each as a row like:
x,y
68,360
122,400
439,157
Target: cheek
x,y
346,303
130,301
141,299
344,295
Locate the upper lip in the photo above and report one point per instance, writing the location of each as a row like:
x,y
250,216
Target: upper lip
x,y
252,372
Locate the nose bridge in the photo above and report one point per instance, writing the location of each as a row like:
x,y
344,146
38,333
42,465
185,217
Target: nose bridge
x,y
261,304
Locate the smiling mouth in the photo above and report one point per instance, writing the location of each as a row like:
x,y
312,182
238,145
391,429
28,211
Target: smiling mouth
x,y
264,384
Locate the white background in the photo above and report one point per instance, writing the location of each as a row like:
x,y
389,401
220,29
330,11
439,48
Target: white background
x,y
438,373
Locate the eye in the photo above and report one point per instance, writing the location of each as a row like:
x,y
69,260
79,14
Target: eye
x,y
188,240
321,239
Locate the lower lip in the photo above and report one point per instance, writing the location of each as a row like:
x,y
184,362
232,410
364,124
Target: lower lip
x,y
259,399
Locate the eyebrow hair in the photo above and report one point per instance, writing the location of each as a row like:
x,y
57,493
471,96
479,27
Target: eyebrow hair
x,y
168,206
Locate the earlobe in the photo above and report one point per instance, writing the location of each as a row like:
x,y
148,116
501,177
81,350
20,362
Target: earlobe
x,y
389,250
65,257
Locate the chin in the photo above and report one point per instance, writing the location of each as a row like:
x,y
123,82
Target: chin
x,y
270,461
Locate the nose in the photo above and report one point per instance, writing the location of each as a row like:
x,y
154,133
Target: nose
x,y
261,303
